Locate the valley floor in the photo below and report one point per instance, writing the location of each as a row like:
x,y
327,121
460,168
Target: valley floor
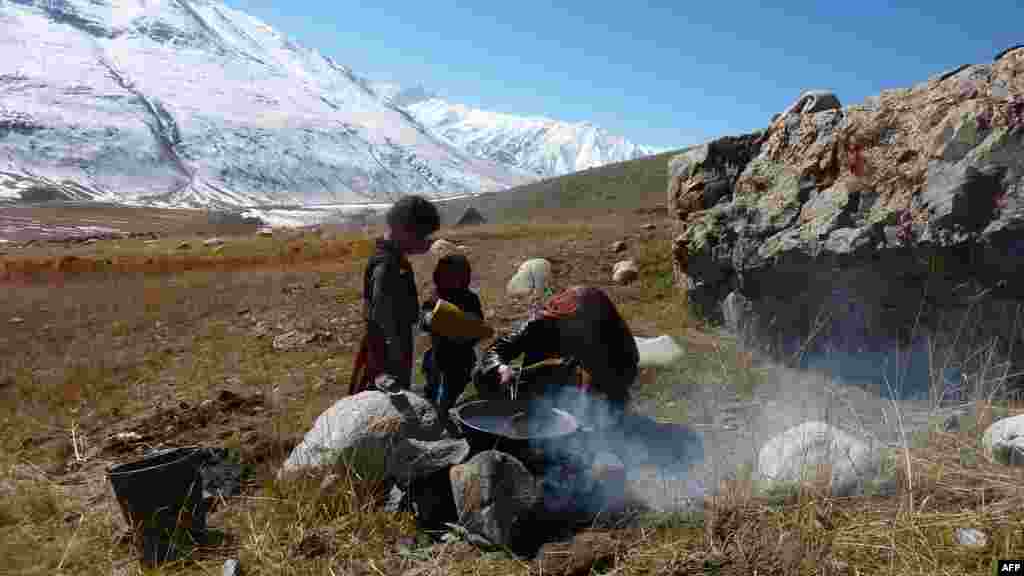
x,y
140,343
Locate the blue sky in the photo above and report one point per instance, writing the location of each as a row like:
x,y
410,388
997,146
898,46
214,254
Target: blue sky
x,y
666,74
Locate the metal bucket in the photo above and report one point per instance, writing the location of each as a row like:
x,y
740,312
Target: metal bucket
x,y
161,498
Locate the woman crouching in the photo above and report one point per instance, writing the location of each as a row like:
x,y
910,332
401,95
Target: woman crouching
x,y
581,328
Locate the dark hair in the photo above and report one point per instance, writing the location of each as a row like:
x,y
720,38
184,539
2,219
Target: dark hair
x,y
452,262
415,212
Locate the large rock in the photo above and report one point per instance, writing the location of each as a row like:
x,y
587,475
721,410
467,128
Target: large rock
x,y
494,494
530,278
798,454
1003,441
412,459
861,236
361,431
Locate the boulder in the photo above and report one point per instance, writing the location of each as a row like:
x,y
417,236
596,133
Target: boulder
x,y
625,272
530,277
361,431
802,452
471,217
413,459
1003,441
494,494
863,236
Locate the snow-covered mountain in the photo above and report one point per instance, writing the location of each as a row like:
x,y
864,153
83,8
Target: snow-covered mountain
x,y
188,102
542,146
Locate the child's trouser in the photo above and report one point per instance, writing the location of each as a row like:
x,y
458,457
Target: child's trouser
x,y
444,383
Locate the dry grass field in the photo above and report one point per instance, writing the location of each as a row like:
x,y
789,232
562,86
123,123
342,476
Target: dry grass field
x,y
175,345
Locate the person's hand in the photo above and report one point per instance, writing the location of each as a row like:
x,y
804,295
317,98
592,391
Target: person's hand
x,y
505,373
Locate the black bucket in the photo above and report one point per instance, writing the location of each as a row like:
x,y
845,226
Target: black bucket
x,y
161,498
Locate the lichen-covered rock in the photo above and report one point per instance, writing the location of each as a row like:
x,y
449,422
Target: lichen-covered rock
x,y
872,227
494,494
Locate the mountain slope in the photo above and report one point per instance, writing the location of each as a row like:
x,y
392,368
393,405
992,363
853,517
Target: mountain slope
x,y
628,187
541,146
188,102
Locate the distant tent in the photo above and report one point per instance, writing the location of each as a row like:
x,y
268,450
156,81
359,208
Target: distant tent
x,y
471,217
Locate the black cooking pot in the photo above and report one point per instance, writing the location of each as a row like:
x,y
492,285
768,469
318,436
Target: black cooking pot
x,y
536,435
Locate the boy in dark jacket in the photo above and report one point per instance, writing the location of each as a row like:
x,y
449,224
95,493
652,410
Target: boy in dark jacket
x,y
391,304
448,364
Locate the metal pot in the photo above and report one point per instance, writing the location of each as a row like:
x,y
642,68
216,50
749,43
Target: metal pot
x,y
503,425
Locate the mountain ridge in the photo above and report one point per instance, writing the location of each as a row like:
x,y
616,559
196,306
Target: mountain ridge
x,y
190,103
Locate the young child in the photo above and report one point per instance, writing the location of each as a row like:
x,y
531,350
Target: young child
x,y
449,362
391,304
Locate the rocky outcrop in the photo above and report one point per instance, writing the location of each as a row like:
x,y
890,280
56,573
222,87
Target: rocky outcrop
x,y
866,236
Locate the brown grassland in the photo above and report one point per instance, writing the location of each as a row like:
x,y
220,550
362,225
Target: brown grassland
x,y
146,338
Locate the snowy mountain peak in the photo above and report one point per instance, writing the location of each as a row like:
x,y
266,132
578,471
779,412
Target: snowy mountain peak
x,y
192,103
189,102
538,144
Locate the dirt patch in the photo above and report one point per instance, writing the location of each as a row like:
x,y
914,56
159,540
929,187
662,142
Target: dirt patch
x,y
228,415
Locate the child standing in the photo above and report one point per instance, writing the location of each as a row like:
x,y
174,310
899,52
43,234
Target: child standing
x,y
391,304
449,362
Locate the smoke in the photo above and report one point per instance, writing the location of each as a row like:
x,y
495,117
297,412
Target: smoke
x,y
656,458
672,467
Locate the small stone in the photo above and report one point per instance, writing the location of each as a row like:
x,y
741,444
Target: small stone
x,y
184,246
619,246
625,272
127,437
328,482
649,226
971,537
266,233
213,242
